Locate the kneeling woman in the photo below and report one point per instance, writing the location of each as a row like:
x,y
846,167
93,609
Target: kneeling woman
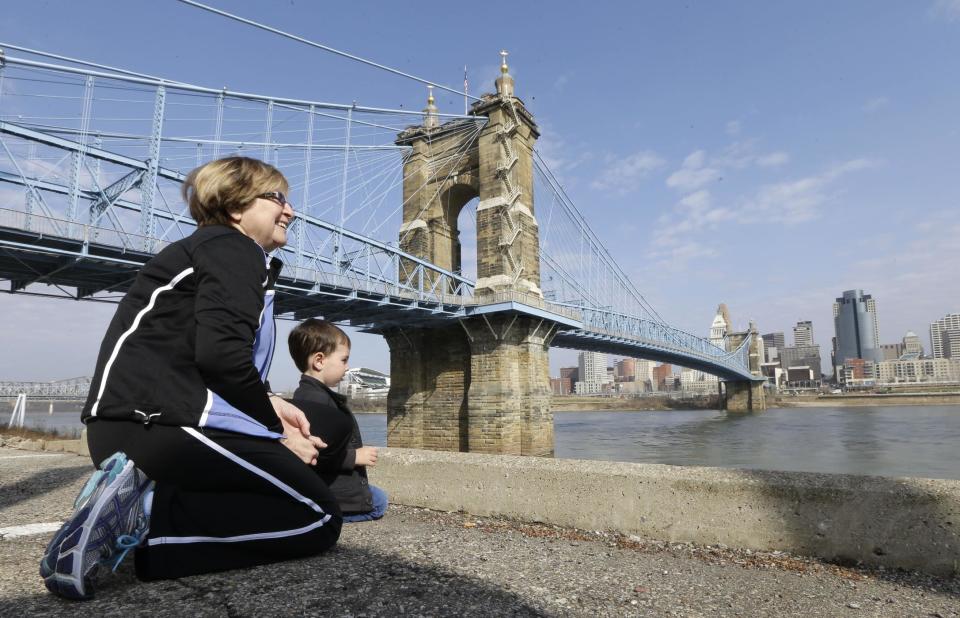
x,y
202,469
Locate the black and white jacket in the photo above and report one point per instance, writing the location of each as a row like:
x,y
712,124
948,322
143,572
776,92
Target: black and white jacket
x,y
192,341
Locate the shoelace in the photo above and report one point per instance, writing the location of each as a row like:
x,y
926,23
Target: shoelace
x,y
125,542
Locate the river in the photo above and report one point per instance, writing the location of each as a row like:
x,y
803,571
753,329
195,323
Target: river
x,y
920,441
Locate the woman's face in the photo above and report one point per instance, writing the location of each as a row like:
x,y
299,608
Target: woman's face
x,y
266,220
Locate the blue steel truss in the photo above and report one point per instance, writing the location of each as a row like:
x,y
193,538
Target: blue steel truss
x,y
83,217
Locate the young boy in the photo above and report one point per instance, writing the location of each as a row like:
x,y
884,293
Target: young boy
x,y
320,351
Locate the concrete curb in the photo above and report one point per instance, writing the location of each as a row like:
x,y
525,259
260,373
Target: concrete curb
x,y
78,447
907,523
890,522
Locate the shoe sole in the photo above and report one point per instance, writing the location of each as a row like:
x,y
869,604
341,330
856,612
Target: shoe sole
x,y
65,575
109,468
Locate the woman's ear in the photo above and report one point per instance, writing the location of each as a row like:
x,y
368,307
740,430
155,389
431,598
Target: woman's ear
x,y
236,214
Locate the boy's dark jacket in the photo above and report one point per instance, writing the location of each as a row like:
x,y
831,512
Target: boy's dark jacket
x,y
350,485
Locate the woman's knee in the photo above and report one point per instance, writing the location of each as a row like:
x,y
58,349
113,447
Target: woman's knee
x,y
325,536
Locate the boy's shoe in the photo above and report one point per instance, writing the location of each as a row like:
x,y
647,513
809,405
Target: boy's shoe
x,y
110,519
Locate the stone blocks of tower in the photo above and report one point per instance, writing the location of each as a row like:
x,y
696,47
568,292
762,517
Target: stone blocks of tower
x,y
486,391
745,397
440,177
507,230
427,402
509,395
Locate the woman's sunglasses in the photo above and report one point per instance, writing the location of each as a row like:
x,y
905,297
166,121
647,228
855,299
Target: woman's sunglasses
x,y
275,196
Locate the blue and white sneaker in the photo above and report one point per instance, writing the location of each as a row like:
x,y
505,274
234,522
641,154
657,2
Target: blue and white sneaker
x,y
111,517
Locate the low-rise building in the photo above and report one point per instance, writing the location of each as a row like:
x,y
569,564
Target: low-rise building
x,y
919,370
561,386
858,373
802,355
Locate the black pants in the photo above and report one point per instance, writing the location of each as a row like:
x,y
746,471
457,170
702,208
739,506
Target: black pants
x,y
222,500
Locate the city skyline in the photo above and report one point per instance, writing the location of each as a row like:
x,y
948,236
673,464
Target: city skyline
x,y
707,167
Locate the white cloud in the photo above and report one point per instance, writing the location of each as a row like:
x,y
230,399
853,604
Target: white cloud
x,y
946,9
677,256
556,152
796,201
774,159
692,174
875,104
677,239
625,174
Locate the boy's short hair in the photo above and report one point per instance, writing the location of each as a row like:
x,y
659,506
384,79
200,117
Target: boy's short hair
x,y
312,336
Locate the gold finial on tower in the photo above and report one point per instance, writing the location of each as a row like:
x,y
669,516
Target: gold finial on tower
x,y
505,81
430,112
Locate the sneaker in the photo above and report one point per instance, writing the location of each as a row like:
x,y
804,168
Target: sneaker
x,y
110,518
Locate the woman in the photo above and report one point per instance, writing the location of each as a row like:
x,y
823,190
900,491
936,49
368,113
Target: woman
x,y
203,469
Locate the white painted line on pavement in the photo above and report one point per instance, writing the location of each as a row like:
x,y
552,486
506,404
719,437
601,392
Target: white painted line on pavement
x,y
29,456
29,529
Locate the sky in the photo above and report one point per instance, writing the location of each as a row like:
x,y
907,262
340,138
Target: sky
x,y
764,155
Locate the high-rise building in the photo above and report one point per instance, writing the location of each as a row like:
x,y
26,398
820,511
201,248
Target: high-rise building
x,y
803,334
802,356
663,375
857,328
644,371
593,367
592,373
772,344
912,345
891,351
625,370
721,326
945,336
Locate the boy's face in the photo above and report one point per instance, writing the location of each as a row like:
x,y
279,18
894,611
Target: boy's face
x,y
330,368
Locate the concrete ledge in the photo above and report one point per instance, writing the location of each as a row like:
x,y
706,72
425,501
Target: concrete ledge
x,y
896,523
76,446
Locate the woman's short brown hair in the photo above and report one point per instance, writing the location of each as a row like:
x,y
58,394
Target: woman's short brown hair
x,y
312,336
216,189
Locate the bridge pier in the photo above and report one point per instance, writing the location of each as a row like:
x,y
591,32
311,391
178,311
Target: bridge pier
x,y
481,386
744,396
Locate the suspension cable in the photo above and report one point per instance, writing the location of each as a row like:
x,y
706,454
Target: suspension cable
x,y
327,48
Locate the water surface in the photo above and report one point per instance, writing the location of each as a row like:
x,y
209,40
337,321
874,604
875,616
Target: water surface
x,y
920,441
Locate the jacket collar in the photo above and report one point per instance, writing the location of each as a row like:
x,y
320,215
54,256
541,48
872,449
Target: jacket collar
x,y
315,390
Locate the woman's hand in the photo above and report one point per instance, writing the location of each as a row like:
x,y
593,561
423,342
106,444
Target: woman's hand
x,y
296,430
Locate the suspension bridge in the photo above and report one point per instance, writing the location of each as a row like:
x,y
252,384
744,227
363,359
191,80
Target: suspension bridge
x,y
388,202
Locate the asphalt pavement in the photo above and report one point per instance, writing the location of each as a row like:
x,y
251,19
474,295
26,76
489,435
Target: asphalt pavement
x,y
417,562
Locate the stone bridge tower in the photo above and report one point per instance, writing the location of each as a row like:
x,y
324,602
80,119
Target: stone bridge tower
x,y
746,396
481,385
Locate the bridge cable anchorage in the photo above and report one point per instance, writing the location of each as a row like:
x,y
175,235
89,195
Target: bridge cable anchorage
x,y
326,48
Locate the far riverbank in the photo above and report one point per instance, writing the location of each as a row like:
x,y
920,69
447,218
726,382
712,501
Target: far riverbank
x,y
658,403
655,403
573,403
866,399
